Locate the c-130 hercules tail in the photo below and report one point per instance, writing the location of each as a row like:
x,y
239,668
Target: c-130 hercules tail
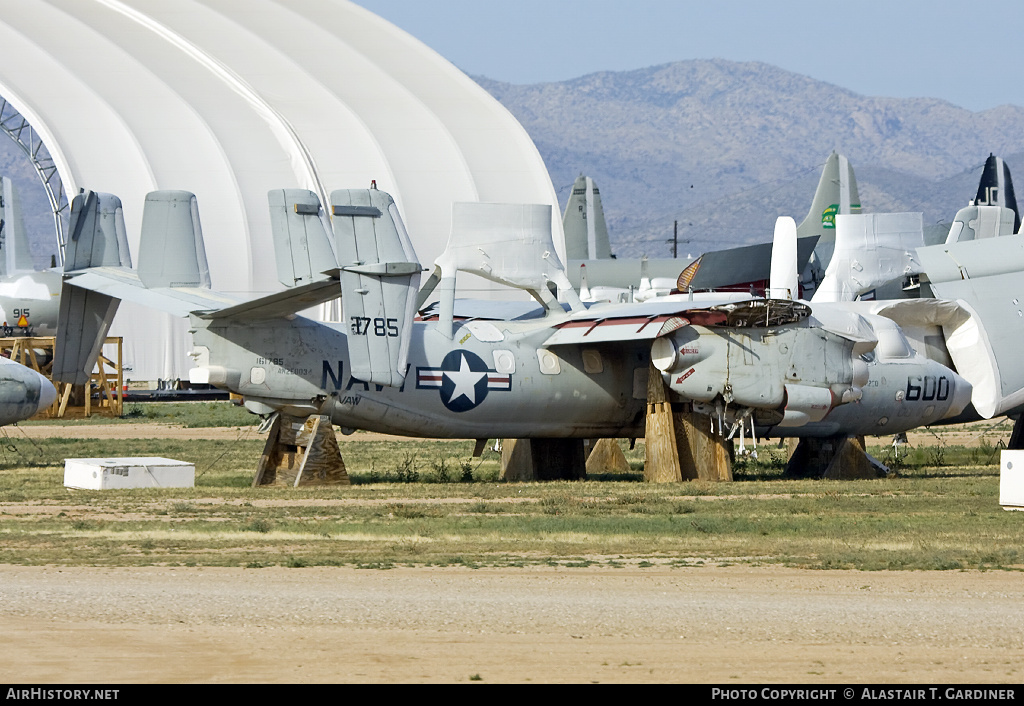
x,y
485,370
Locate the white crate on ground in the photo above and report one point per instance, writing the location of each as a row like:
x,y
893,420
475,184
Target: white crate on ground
x,y
1011,480
128,472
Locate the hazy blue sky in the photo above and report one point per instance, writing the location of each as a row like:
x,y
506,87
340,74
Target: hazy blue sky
x,y
969,53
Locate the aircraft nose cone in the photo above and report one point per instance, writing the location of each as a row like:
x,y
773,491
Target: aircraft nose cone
x,y
47,393
962,391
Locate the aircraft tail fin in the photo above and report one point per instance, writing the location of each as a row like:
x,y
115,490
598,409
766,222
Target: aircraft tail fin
x,y
301,228
97,239
981,222
380,276
15,255
996,188
836,194
171,248
784,281
586,233
871,250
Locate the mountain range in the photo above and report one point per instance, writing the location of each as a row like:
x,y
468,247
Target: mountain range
x,y
724,148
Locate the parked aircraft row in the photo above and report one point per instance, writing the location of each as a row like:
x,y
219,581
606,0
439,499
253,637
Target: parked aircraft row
x,y
599,276
781,366
543,370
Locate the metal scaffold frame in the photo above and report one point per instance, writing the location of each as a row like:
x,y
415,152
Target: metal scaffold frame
x,y
18,129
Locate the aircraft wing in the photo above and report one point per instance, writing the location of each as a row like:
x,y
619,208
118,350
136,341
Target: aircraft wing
x,y
631,322
618,329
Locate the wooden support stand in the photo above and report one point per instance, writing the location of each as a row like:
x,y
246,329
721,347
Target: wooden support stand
x,y
526,460
605,456
679,443
301,452
36,352
834,457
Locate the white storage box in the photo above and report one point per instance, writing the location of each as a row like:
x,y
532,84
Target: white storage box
x,y
1011,480
132,472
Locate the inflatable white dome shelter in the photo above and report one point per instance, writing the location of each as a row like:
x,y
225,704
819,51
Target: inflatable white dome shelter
x,y
229,99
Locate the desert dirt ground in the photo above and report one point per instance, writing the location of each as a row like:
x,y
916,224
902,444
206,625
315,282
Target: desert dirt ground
x,y
722,625
713,625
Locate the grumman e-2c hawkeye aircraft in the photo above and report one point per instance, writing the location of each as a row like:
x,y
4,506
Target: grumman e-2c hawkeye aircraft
x,y
486,369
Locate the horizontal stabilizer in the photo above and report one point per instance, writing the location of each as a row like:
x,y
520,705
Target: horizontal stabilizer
x,y
280,304
122,283
380,276
301,241
171,248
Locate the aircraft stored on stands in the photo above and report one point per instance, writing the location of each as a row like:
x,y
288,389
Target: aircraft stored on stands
x,y
775,366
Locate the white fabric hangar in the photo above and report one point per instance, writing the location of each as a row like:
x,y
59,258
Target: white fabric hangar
x,y
229,99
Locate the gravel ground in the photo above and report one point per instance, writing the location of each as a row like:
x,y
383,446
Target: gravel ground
x,y
722,625
717,625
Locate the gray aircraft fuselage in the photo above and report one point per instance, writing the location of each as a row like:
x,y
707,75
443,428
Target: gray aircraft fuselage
x,y
459,388
496,379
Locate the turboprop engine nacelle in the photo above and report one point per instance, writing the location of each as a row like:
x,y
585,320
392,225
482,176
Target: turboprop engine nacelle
x,y
798,372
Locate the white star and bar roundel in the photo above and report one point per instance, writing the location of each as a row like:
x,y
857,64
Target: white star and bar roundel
x,y
463,379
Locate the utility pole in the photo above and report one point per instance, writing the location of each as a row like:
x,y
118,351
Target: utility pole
x,y
675,239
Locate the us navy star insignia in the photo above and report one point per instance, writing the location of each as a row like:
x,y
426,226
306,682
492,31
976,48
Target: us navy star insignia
x,y
463,380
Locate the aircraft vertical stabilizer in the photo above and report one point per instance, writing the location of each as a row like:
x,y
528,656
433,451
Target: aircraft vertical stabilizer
x,y
980,222
15,255
171,248
836,194
586,233
784,282
380,275
996,188
300,228
871,249
97,239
